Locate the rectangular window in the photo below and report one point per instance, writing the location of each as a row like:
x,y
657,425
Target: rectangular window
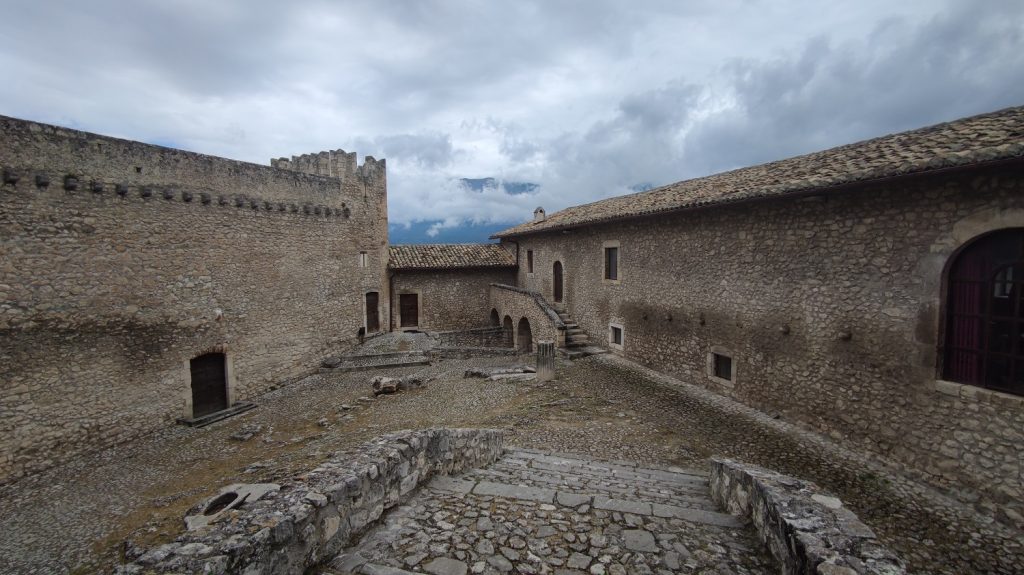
x,y
616,335
529,261
363,259
721,366
611,263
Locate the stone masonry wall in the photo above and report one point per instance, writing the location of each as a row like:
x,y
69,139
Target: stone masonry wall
x,y
517,304
830,307
450,299
313,517
121,261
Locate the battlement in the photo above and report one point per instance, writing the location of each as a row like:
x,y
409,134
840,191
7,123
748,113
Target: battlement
x,y
333,163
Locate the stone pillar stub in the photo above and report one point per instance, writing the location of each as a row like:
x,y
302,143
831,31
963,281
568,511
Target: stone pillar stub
x,y
545,360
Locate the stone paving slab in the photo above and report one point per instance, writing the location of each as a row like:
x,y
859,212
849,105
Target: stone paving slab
x,y
515,491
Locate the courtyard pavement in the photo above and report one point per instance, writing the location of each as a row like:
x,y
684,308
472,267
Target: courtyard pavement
x,y
76,517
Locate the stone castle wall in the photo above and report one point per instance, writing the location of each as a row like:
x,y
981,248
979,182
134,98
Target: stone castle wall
x,y
121,261
830,308
449,299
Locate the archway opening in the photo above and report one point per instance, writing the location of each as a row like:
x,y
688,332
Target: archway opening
x,y
557,288
495,318
984,343
209,384
506,328
524,339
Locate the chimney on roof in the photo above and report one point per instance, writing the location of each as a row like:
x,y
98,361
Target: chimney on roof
x,y
538,214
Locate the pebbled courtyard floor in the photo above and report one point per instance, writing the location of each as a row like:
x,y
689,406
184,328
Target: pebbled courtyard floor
x,y
76,517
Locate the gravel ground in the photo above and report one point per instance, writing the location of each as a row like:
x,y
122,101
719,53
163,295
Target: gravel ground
x,y
76,517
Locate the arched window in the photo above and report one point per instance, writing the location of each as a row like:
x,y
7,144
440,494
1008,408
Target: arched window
x,y
985,313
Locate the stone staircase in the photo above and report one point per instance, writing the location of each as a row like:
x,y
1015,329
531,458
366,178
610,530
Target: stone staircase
x,y
534,512
577,342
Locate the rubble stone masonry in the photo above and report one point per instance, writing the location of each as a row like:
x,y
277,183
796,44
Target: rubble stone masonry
x,y
830,308
121,261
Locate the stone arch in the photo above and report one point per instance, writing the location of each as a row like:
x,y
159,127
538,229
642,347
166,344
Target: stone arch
x,y
524,336
495,318
506,327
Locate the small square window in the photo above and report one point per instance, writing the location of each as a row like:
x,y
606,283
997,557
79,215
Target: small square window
x,y
616,335
611,263
363,258
721,366
529,261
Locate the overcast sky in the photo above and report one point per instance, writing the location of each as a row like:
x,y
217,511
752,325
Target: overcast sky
x,y
588,98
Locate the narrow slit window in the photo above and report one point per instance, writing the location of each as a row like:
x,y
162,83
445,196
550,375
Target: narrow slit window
x,y
611,263
363,259
529,261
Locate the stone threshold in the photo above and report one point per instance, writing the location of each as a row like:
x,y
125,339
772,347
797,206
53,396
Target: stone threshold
x,y
205,420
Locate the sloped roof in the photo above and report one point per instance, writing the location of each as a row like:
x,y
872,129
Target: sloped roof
x,y
976,140
447,256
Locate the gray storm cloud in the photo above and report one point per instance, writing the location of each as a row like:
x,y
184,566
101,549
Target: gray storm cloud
x,y
584,99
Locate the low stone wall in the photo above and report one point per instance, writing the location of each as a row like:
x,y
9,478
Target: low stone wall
x,y
312,519
479,337
808,532
468,352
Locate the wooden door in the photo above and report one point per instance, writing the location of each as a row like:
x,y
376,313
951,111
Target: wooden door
x,y
372,312
558,282
209,384
409,307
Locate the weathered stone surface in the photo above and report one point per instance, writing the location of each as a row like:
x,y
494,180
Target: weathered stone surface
x,y
316,515
783,290
639,540
446,566
801,527
157,283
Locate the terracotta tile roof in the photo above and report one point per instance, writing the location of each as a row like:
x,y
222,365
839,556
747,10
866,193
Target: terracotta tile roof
x,y
446,256
975,140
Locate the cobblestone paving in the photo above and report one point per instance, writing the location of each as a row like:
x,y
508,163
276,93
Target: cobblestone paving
x,y
76,517
533,512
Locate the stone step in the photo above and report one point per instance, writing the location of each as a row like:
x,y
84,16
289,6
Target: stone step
x,y
569,325
609,472
617,483
580,352
694,498
604,503
579,337
574,331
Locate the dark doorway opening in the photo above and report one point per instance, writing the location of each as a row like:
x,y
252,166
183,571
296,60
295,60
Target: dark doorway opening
x,y
209,384
409,309
495,319
557,274
985,313
525,337
372,312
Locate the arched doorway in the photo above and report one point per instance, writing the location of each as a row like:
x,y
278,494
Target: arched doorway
x,y
524,339
495,318
985,313
209,384
558,288
506,328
